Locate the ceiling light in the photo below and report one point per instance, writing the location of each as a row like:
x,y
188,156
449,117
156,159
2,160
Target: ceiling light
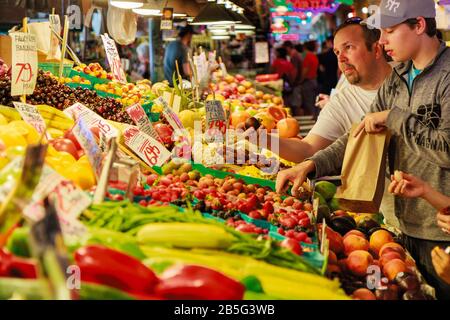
x,y
147,10
365,10
220,37
127,4
180,15
228,4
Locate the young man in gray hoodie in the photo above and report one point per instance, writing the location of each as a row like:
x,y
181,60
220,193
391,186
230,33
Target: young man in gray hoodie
x,y
414,104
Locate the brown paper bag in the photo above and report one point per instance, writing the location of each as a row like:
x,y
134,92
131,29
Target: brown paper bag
x,y
363,172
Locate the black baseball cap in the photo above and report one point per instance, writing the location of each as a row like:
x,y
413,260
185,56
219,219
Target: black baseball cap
x,y
186,30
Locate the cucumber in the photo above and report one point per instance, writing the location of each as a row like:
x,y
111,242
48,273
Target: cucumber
x,y
30,289
91,291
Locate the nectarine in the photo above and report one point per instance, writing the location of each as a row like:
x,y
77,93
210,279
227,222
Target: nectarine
x,y
385,258
354,242
393,267
392,246
378,239
356,233
358,261
363,294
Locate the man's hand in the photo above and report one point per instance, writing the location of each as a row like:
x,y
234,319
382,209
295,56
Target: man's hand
x,y
441,263
297,175
322,100
409,186
373,123
443,222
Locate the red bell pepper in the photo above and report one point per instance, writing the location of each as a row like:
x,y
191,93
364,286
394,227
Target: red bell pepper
x,y
99,264
198,283
16,267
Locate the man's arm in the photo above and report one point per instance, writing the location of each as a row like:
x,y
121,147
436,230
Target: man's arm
x,y
187,69
296,150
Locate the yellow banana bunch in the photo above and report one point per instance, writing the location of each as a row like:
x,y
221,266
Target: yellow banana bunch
x,y
10,113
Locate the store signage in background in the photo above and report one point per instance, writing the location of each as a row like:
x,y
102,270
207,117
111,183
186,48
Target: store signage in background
x,y
137,114
87,141
262,52
443,15
167,19
215,116
31,115
290,37
148,149
24,63
329,6
78,110
113,58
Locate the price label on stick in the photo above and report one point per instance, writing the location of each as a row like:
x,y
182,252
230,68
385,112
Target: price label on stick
x,y
137,114
55,24
91,119
31,115
148,149
113,58
170,116
24,63
89,145
215,116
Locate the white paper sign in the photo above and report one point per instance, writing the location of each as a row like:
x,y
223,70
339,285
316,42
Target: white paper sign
x,y
55,24
79,111
137,114
31,115
170,116
215,116
87,141
148,149
113,58
24,63
262,52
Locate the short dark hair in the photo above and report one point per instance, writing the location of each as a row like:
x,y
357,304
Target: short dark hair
x,y
311,45
288,44
299,47
281,52
371,35
430,28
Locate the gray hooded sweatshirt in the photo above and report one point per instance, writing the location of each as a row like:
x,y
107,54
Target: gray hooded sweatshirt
x,y
420,123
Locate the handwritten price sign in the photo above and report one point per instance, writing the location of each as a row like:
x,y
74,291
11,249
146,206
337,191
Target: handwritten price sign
x,y
148,149
137,114
31,115
79,111
113,58
24,63
89,145
215,116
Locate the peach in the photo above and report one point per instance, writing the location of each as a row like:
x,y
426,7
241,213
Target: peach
x,y
410,262
392,246
332,259
363,294
358,261
354,242
393,267
378,239
342,263
356,233
385,258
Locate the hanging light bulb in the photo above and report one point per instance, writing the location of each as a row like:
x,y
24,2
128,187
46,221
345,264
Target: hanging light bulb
x,y
127,4
212,14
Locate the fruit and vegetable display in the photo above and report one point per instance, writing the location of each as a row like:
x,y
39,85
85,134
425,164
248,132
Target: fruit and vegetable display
x,y
183,229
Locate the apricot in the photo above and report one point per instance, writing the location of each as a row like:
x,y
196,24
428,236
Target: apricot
x,y
356,233
392,246
393,267
358,261
378,239
363,294
354,242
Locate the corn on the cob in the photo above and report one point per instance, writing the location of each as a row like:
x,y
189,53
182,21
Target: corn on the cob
x,y
186,235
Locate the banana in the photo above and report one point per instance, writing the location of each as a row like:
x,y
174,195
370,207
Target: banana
x,y
10,113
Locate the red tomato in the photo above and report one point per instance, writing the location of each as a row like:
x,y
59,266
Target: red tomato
x,y
69,135
63,144
292,245
164,131
305,222
247,228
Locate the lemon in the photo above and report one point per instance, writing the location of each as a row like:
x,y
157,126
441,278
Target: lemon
x,y
12,139
84,160
3,119
82,176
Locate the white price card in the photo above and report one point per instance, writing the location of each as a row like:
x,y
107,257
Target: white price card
x,y
148,149
55,24
215,116
79,111
170,115
113,58
24,63
87,141
31,115
262,52
137,114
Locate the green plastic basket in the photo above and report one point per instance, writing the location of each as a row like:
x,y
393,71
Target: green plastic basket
x,y
75,85
92,79
53,67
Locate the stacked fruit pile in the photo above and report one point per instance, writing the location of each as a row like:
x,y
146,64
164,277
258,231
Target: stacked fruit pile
x,y
129,93
95,70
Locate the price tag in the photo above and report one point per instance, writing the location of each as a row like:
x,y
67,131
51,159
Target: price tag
x,y
24,63
215,116
55,24
31,115
262,52
170,116
91,119
113,58
148,149
137,114
89,145
167,19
